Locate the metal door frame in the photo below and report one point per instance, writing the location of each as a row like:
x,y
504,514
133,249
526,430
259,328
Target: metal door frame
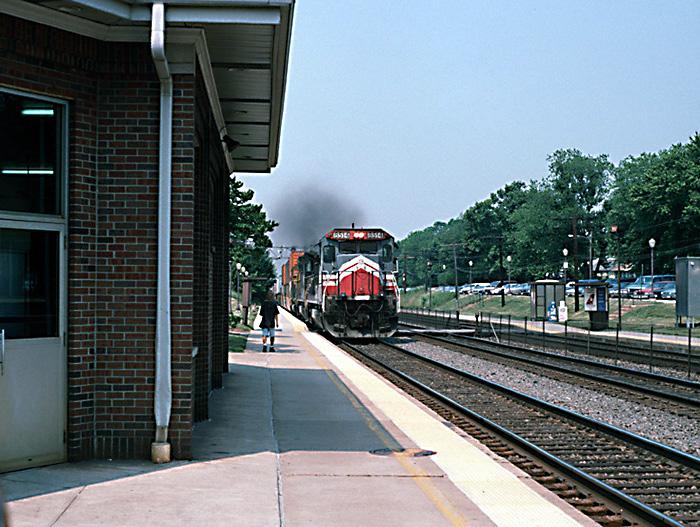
x,y
53,223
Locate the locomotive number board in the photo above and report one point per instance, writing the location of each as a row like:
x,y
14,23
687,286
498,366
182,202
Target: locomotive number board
x,y
354,234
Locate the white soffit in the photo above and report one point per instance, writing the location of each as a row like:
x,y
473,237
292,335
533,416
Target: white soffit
x,y
247,43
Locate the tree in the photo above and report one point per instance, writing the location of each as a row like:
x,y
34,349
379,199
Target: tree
x,y
248,236
580,184
538,237
657,196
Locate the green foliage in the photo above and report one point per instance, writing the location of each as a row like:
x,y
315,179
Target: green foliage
x,y
651,195
249,240
658,196
537,237
476,235
237,343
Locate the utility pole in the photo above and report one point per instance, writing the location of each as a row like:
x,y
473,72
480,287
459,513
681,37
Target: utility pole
x,y
652,243
590,255
454,256
574,221
403,274
429,265
615,231
500,260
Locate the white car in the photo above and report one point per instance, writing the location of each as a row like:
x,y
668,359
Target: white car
x,y
478,288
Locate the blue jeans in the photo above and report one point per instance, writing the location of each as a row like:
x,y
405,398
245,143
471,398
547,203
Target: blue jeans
x,y
268,332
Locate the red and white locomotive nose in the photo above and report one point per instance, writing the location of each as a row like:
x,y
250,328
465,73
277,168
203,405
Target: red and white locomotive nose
x,y
360,278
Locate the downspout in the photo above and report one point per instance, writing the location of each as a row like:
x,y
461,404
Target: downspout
x,y
160,449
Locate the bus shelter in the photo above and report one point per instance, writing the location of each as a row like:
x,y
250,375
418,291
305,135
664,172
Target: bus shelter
x,y
545,296
596,303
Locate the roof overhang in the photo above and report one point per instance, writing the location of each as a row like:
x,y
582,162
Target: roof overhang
x,y
242,47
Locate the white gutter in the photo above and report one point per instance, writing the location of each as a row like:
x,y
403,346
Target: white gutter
x,y
160,450
213,11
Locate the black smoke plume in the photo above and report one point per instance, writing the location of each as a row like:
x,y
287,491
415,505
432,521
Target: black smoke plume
x,y
309,212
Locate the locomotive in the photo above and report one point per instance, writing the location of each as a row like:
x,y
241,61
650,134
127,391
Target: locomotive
x,y
345,284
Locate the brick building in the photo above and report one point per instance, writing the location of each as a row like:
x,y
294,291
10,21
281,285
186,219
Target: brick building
x,y
120,123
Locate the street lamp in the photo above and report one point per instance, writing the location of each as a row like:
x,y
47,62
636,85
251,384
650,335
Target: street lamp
x,y
238,285
509,259
471,264
238,282
565,252
652,243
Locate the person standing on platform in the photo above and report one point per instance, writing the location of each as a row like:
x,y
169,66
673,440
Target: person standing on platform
x,y
269,314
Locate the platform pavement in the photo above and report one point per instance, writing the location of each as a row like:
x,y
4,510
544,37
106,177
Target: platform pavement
x,y
290,443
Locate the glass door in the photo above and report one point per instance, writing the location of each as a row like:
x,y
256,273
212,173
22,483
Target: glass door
x,y
33,362
32,358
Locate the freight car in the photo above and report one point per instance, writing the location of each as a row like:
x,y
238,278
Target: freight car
x,y
345,284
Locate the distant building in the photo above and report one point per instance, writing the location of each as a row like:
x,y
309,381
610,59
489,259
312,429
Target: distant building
x,y
607,268
120,123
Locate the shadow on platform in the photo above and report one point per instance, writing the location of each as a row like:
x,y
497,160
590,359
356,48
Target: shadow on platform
x,y
258,410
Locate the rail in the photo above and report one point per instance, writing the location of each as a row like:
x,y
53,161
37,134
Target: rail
x,y
658,457
545,335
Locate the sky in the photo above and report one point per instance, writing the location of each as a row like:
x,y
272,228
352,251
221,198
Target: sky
x,y
402,113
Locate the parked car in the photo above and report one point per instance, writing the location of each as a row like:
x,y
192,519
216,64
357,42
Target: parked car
x,y
491,286
632,289
627,289
614,287
501,285
641,287
479,289
518,289
471,289
667,291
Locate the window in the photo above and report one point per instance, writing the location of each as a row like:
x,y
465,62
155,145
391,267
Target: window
x,y
369,247
387,253
329,254
347,248
31,161
29,283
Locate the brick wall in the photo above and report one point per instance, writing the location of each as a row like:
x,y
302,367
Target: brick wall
x,y
210,261
113,192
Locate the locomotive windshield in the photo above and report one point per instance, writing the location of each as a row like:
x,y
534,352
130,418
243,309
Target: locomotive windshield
x,y
354,247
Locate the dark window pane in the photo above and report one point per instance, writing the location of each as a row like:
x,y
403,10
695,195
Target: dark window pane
x,y
347,247
329,254
30,154
28,283
368,247
387,253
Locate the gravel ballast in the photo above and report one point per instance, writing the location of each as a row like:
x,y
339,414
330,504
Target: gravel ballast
x,y
679,432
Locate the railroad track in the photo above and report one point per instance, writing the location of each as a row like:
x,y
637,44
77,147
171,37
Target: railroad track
x,y
670,394
660,355
649,482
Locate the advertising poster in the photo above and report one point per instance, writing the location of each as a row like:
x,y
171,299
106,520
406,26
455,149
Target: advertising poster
x,y
589,299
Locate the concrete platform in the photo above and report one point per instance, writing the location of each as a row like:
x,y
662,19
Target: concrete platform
x,y
293,441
